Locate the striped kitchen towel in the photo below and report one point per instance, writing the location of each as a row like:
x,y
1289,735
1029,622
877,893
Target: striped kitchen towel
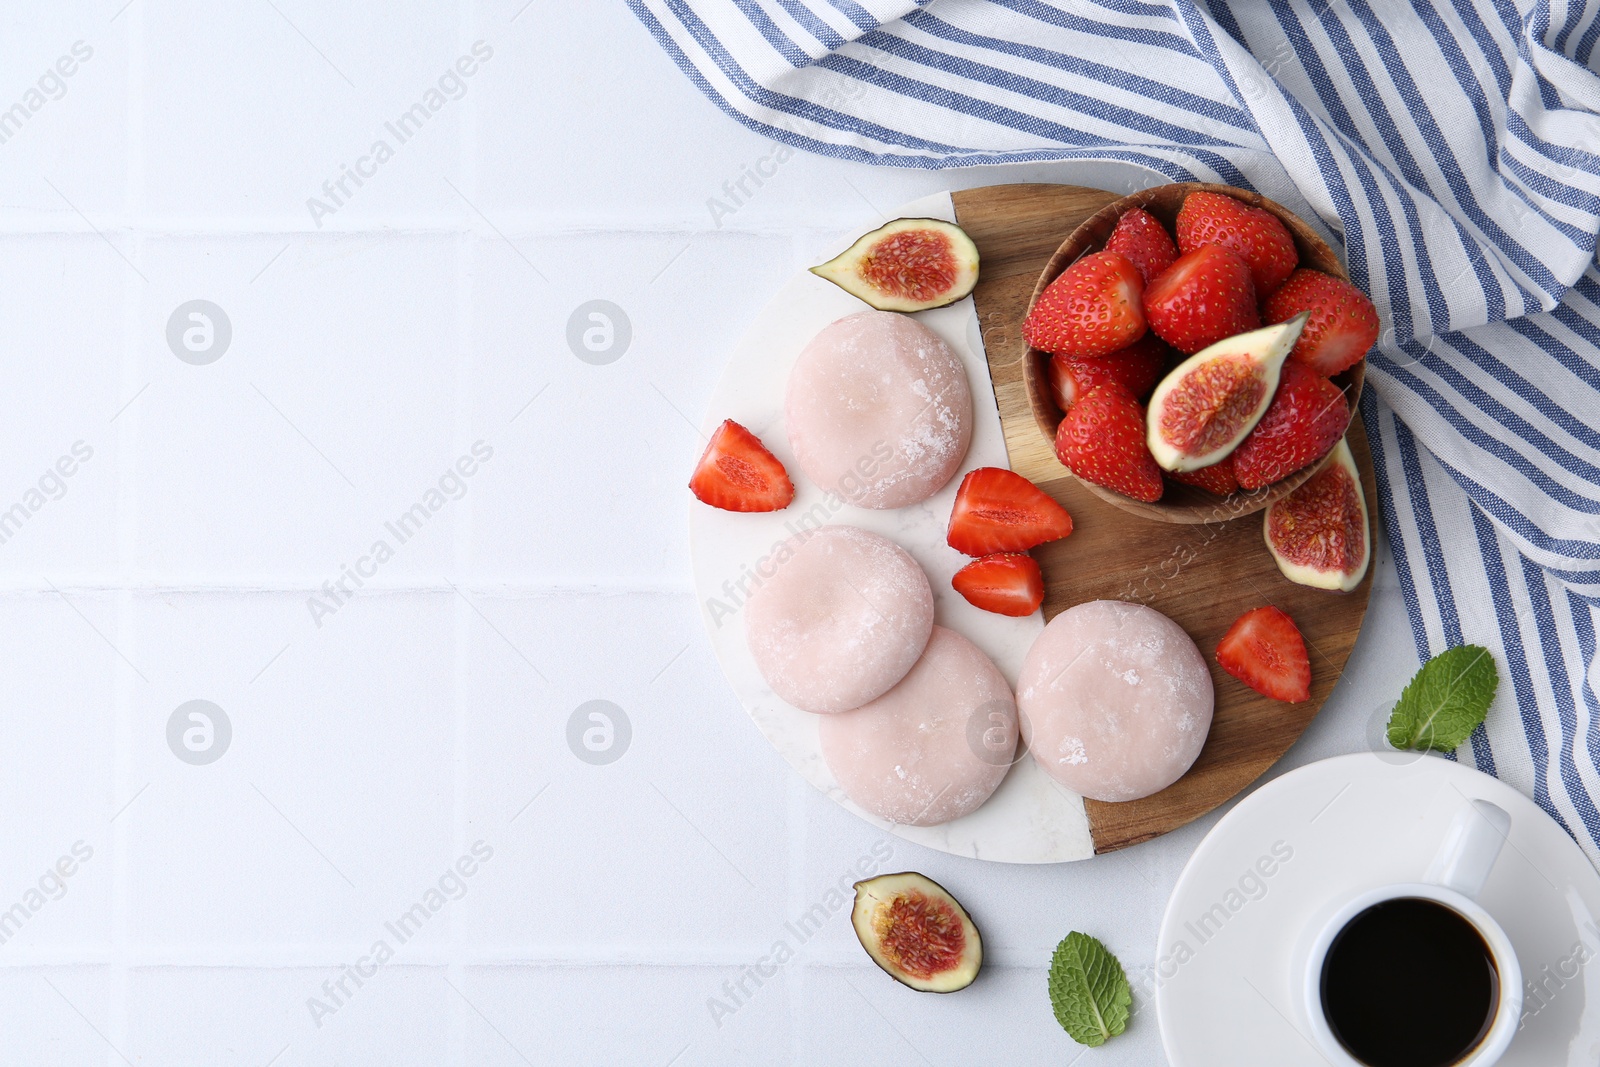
x,y
1456,149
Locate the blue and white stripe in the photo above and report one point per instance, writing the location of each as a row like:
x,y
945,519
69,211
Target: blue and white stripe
x,y
1456,149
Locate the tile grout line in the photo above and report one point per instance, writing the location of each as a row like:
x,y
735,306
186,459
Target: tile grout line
x,y
127,427
462,537
333,955
490,587
521,225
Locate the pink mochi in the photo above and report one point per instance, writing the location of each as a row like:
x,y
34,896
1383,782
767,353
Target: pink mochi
x,y
841,619
934,747
1116,700
878,410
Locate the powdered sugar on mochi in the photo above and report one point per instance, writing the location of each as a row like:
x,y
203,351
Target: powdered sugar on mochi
x,y
879,410
840,617
1116,700
934,747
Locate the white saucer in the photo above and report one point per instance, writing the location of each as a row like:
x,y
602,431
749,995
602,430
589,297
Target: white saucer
x,y
1223,985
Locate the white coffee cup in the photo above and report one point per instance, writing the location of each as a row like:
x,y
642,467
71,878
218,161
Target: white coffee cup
x,y
1454,880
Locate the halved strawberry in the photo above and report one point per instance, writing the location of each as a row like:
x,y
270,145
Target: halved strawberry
x,y
1137,368
1144,241
1218,478
1006,583
1264,650
1102,440
1203,297
1253,234
1001,511
737,473
1091,309
1306,418
1343,323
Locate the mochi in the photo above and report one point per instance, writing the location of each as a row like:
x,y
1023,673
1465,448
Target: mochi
x,y
840,618
878,410
935,746
1115,699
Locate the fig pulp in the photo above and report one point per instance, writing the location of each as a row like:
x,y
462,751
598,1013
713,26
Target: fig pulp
x,y
917,932
1319,534
1211,401
907,265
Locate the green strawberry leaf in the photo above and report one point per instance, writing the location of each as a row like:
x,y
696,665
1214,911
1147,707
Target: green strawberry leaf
x,y
1446,701
1088,990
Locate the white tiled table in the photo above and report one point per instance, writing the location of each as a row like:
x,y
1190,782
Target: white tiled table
x,y
429,712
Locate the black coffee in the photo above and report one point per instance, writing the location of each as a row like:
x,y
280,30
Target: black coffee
x,y
1409,983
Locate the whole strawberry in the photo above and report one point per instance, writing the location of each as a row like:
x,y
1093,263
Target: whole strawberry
x,y
1144,241
1217,479
1090,310
1251,233
1102,441
1343,323
1137,367
1307,417
1203,297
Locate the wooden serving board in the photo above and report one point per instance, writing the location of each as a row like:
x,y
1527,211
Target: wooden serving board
x,y
1203,575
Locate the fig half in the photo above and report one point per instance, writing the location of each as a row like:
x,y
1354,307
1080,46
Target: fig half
x,y
1319,534
907,265
917,932
1211,401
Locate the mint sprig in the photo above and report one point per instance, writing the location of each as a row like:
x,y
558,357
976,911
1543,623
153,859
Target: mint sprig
x,y
1088,990
1445,701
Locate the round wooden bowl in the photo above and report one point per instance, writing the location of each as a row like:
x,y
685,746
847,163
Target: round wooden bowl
x,y
1180,503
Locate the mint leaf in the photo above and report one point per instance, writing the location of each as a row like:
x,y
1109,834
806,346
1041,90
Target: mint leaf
x,y
1446,701
1088,990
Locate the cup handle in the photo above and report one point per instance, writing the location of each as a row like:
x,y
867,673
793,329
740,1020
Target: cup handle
x,y
1470,848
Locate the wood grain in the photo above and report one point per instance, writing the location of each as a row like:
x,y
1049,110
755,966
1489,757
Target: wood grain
x,y
1203,575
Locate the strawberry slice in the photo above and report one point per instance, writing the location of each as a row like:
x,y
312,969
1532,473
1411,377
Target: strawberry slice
x,y
1091,309
1102,440
1006,583
1203,297
1253,234
1264,650
1306,418
1343,323
1001,511
737,473
1144,241
1218,478
1136,368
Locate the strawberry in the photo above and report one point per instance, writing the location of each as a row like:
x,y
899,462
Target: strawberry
x,y
1307,416
1218,478
1001,511
1264,650
1203,297
737,473
1253,234
1006,583
1102,440
1137,367
1343,323
1144,241
1091,309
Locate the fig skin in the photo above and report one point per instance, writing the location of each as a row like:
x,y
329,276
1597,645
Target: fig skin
x,y
844,270
874,894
